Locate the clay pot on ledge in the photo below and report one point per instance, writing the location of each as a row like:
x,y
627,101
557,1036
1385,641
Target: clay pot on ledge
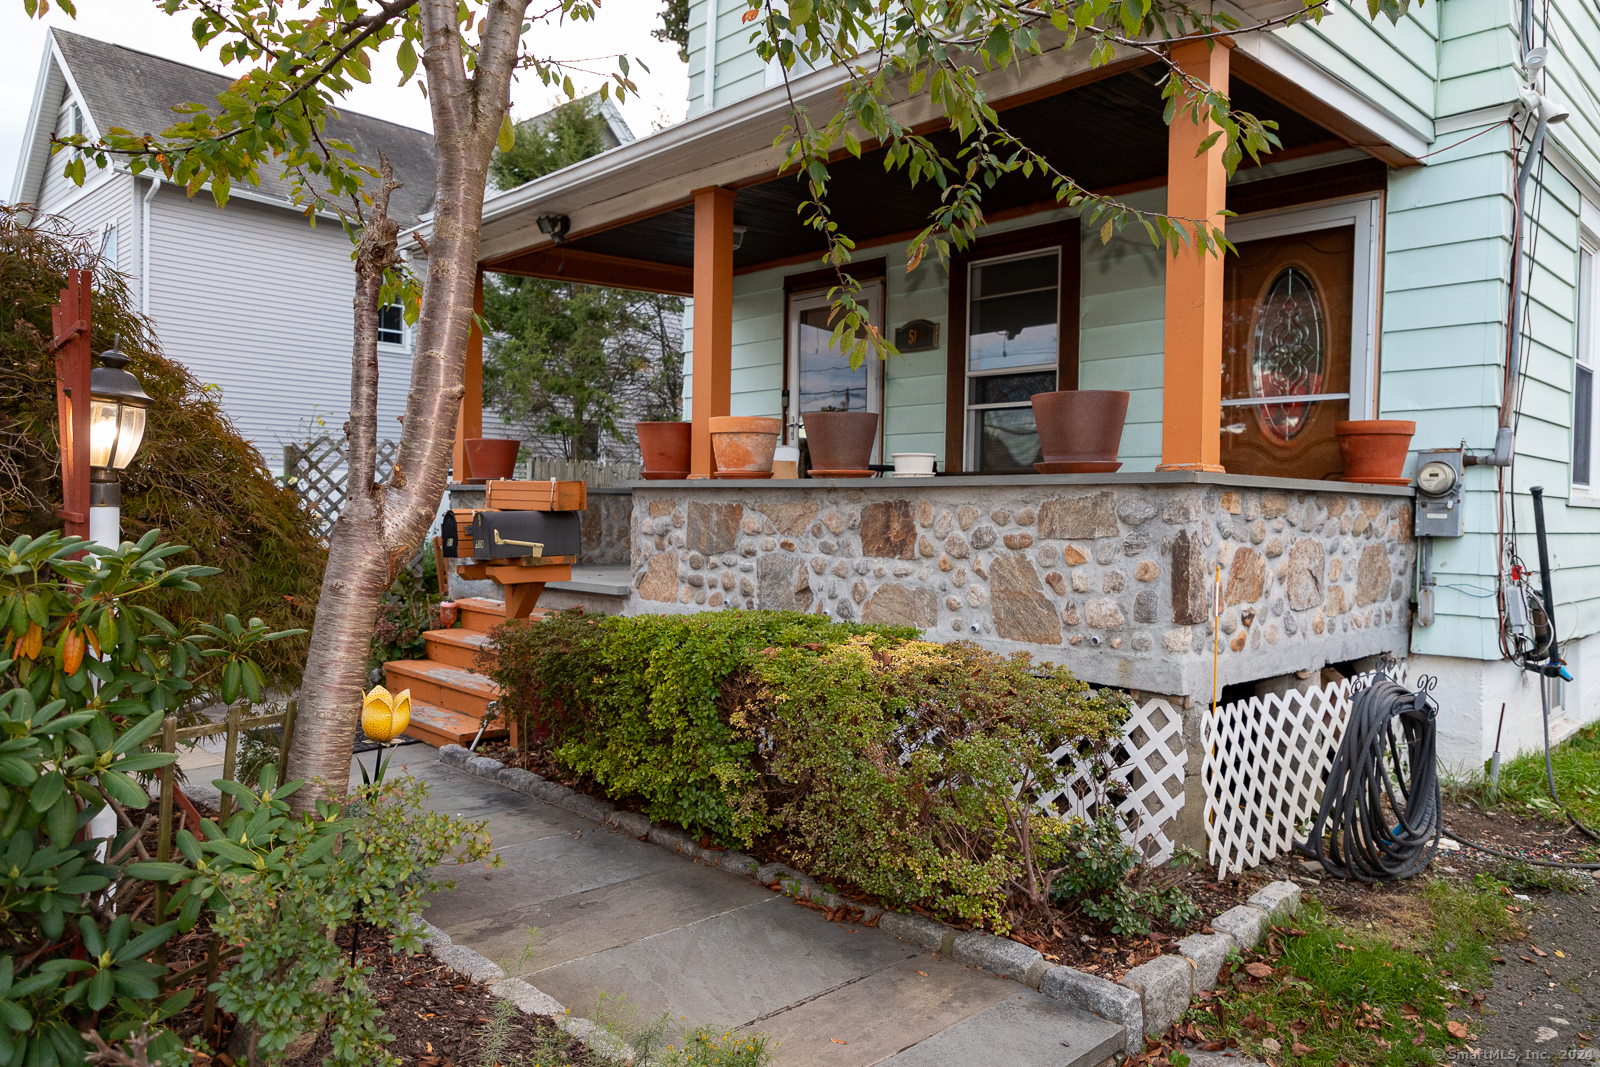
x,y
841,442
1080,430
664,449
1375,450
490,459
743,445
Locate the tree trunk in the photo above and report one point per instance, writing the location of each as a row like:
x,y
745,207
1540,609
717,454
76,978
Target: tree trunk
x,y
382,525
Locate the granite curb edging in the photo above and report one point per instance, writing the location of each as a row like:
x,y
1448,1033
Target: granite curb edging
x,y
527,998
1149,999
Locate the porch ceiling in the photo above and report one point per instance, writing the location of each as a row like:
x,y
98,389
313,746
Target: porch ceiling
x,y
1108,134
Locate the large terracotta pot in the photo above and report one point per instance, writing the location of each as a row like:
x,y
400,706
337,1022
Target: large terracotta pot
x,y
840,440
1080,430
491,458
743,445
664,447
1375,449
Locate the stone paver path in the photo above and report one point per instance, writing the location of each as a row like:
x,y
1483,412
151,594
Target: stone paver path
x,y
614,917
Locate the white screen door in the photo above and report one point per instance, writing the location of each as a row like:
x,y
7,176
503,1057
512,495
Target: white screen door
x,y
820,376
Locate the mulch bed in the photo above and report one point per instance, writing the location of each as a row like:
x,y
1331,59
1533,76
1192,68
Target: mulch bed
x,y
437,1017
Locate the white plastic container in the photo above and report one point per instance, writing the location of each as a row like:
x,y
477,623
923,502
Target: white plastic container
x,y
913,464
786,462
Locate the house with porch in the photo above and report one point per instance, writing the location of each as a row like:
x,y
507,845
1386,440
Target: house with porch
x,y
1434,175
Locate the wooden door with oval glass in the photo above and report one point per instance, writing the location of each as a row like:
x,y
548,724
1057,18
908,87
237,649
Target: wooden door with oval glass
x,y
820,377
1286,353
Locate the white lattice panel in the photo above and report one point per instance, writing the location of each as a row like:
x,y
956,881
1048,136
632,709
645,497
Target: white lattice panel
x,y
1143,781
1266,760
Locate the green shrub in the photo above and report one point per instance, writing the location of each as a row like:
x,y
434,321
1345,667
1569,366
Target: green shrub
x,y
642,703
88,670
280,886
1095,875
913,769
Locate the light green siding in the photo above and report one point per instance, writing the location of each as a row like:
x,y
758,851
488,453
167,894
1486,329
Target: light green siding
x,y
1394,66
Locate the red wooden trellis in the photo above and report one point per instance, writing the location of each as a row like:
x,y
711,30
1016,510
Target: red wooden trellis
x,y
70,320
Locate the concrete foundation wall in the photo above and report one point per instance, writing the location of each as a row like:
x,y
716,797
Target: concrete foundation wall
x,y
1112,576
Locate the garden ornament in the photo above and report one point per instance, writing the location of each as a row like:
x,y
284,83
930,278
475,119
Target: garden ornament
x,y
384,716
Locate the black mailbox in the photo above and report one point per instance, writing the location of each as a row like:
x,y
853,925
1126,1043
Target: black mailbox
x,y
451,536
513,534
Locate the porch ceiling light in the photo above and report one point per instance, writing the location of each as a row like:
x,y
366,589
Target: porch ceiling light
x,y
738,236
117,408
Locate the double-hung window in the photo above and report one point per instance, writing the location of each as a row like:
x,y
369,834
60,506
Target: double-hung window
x,y
1583,413
1013,346
391,325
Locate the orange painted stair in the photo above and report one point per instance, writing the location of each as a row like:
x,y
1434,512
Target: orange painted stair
x,y
455,648
440,726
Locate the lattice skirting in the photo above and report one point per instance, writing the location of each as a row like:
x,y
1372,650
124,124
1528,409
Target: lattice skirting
x,y
1266,761
1144,784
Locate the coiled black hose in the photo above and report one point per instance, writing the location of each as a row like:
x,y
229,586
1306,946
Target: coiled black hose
x,y
1381,815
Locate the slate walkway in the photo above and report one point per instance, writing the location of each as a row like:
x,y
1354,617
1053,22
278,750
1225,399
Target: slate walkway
x,y
585,912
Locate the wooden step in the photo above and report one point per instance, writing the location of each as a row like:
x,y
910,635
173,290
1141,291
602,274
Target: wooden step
x,y
455,648
447,687
440,726
479,613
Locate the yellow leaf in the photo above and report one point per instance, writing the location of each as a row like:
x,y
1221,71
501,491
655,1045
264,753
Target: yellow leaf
x,y
508,134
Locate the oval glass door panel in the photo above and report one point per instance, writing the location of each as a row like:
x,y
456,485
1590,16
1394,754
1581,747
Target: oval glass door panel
x,y
1288,353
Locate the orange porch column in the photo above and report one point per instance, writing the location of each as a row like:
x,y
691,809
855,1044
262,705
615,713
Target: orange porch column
x,y
713,321
469,423
1197,188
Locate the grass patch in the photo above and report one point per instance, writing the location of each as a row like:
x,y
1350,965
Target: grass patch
x,y
1322,993
1523,786
619,1040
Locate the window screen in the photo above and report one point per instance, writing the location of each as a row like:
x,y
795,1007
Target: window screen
x,y
1583,375
1012,349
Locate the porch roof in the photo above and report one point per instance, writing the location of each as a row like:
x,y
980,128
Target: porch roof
x,y
631,209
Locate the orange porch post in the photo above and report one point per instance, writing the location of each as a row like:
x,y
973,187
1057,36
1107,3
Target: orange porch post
x,y
713,321
1197,187
469,423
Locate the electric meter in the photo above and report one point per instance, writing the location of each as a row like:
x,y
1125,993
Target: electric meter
x,y
1440,500
1436,478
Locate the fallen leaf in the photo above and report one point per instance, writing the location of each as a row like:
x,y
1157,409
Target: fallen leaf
x,y
1563,955
923,973
1499,959
1258,970
1457,1029
1301,1050
1251,1022
1271,1044
1537,951
836,1041
1212,1046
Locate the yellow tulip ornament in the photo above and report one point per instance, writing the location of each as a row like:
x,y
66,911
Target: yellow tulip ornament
x,y
384,717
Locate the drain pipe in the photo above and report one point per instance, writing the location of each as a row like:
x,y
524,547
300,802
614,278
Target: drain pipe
x,y
144,246
1548,113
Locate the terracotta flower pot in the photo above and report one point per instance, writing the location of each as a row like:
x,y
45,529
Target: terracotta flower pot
x,y
1080,430
664,447
1375,449
491,458
841,440
743,445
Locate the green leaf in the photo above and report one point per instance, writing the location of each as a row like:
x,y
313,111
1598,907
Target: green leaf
x,y
48,791
157,871
508,134
122,789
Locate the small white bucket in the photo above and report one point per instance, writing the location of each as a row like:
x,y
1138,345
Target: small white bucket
x,y
913,464
786,462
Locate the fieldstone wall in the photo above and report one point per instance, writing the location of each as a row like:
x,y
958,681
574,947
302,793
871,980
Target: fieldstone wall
x,y
1112,576
605,525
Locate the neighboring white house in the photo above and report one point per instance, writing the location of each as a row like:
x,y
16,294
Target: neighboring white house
x,y
252,298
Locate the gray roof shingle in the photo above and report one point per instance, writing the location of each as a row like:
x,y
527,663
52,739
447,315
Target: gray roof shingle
x,y
137,91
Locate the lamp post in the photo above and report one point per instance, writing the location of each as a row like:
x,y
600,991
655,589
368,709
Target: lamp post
x,y
117,408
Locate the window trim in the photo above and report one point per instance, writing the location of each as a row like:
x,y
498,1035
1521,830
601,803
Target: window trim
x,y
1365,214
1583,341
1064,235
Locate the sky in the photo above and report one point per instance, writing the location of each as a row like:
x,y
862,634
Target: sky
x,y
621,26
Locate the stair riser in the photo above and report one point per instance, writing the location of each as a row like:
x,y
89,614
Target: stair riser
x,y
452,655
440,738
480,620
445,696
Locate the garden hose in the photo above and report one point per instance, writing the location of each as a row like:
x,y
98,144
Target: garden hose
x,y
1361,844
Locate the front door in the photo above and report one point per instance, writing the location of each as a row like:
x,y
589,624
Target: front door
x,y
1286,353
820,375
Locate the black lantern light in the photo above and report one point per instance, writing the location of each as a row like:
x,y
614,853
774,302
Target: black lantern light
x,y
117,408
